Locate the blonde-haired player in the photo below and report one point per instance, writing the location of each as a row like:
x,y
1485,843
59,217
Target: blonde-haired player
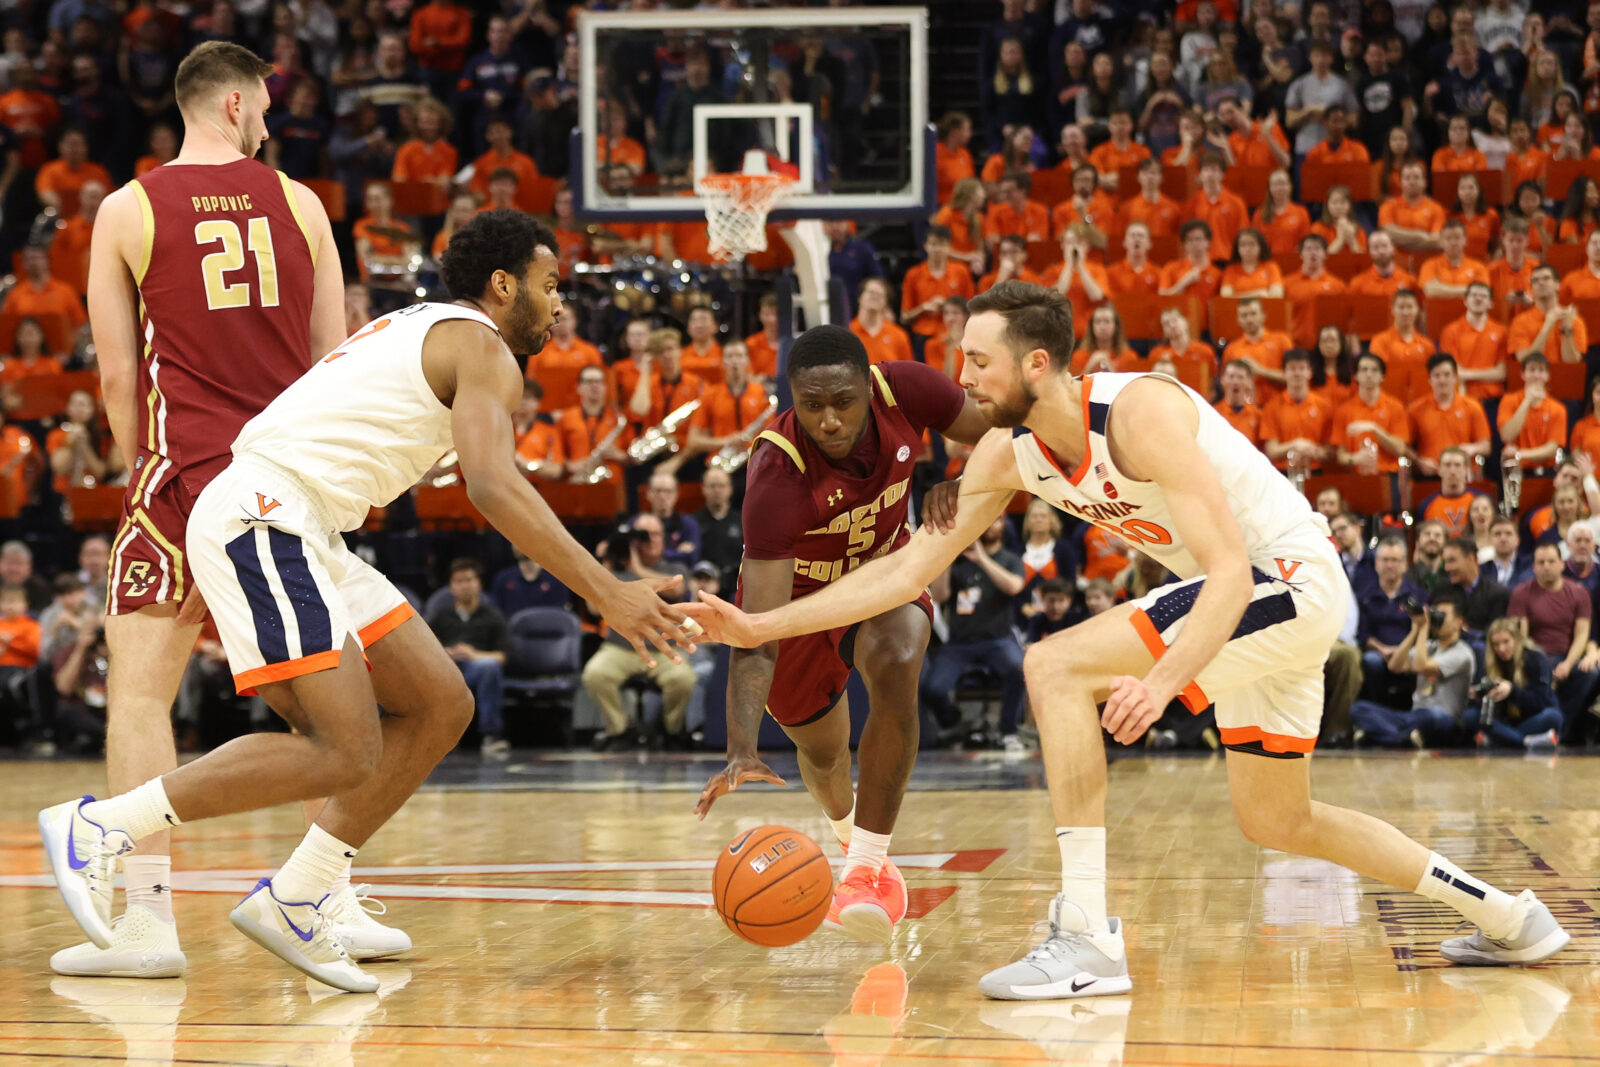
x,y
1260,600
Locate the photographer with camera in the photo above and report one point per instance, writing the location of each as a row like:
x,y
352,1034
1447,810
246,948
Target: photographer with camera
x,y
1514,705
1443,664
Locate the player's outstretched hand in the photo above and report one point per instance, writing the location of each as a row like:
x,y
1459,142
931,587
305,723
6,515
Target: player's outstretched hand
x,y
939,505
722,622
740,769
1130,709
635,611
192,611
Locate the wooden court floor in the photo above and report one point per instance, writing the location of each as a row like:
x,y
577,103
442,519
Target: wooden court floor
x,y
571,925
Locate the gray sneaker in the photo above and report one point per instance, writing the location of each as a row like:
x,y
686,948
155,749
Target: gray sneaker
x,y
1071,962
1538,938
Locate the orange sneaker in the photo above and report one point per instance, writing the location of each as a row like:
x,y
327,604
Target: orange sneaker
x,y
867,904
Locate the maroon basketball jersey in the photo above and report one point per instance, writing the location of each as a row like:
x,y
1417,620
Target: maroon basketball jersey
x,y
849,520
225,296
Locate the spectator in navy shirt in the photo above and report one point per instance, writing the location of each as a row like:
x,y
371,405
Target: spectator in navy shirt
x,y
525,584
1061,610
852,261
491,81
1353,551
683,533
1383,622
299,142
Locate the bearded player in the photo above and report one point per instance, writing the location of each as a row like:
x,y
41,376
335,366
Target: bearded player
x,y
827,490
1259,602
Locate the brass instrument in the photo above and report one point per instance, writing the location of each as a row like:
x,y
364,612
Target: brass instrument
x,y
662,437
600,470
1297,469
1510,482
732,456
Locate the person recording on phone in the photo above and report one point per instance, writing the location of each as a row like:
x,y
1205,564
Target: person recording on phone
x,y
1443,665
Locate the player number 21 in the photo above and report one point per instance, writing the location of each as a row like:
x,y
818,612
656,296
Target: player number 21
x,y
221,294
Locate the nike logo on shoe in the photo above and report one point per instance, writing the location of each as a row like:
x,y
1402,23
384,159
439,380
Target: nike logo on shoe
x,y
1076,985
170,820
304,935
349,855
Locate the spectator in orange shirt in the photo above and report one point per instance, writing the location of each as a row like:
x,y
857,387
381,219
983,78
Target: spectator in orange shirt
x,y
1180,347
1577,143
1584,282
1482,222
964,218
81,452
1333,373
1193,273
953,161
163,145
1118,152
1532,425
585,427
29,357
1511,275
19,635
429,157
702,357
1016,154
1336,149
1087,205
1160,214
503,185
463,209
614,148
1015,214
1252,144
1548,327
1338,225
1010,264
1370,430
943,350
884,340
1451,505
564,356
501,154
1193,139
1458,153
1413,219
1077,277
39,296
1259,348
382,240
928,284
1479,345
763,344
1383,278
539,445
60,181
1224,212
1527,204
1449,273
1251,271
69,248
28,112
441,30
1295,423
1446,417
1282,221
1526,162
1404,348
1134,273
1581,212
1104,344
730,408
1236,405
1586,434
1302,288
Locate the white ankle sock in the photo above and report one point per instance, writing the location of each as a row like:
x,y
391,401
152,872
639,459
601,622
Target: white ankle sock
x,y
149,883
311,871
1083,870
140,812
343,881
841,826
868,850
1494,912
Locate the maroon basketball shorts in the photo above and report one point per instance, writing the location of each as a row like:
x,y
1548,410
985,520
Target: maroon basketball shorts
x,y
812,671
148,563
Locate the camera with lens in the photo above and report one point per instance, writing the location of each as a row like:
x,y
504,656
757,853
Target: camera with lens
x,y
1416,609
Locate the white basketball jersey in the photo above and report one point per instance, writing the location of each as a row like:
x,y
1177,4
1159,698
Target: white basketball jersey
x,y
1269,510
362,425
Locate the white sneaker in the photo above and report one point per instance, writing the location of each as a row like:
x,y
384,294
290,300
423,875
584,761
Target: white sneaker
x,y
142,946
351,911
1538,937
1013,747
1073,961
299,934
83,857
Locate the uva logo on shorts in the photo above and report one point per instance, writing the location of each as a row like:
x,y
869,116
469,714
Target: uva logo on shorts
x,y
265,507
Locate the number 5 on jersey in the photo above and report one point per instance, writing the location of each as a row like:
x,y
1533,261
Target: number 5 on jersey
x,y
220,294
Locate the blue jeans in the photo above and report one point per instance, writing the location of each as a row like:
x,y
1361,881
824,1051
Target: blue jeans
x,y
486,679
1001,655
1510,734
1392,728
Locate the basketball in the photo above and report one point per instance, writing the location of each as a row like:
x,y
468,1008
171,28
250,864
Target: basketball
x,y
772,886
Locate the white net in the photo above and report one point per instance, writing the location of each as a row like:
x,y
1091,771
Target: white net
x,y
736,210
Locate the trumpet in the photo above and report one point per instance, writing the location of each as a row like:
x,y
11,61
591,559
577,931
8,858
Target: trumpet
x,y
1510,482
662,437
732,456
600,470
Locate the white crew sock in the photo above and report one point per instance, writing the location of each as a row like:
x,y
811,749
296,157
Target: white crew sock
x,y
311,871
149,883
140,812
343,881
1494,912
841,826
868,850
1083,870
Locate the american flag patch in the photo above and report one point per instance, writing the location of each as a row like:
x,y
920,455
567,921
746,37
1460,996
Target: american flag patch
x,y
1099,470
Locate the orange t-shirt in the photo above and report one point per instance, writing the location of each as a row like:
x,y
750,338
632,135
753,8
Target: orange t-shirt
x,y
1546,421
1250,148
721,414
13,370
1162,217
1202,288
1266,275
1267,353
382,244
763,355
1586,437
145,165
54,298
988,281
1337,393
13,441
1388,414
1226,216
1482,349
1581,284
921,286
1571,231
1124,279
1284,419
30,114
705,365
1126,359
1370,283
1198,354
625,153
962,239
1350,151
994,168
418,161
523,166
1283,233
1438,269
1001,220
1105,556
23,649
557,369
952,165
581,434
1503,280
1526,326
1448,161
1247,420
1407,360
1482,230
57,177
1082,306
1302,293
1427,214
1100,212
1329,234
1526,167
1452,511
1437,428
69,253
889,344
1107,158
542,442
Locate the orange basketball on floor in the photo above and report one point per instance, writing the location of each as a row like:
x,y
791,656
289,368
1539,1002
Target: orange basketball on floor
x,y
772,886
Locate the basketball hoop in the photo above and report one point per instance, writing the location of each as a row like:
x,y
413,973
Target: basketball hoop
x,y
736,210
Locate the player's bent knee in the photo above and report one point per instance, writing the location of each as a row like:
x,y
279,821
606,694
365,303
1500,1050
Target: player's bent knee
x,y
1271,830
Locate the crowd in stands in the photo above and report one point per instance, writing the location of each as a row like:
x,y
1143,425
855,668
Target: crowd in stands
x,y
1367,231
